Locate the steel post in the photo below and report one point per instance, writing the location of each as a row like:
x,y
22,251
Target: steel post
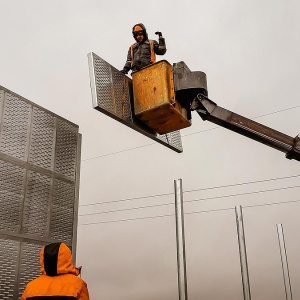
x,y
284,263
243,252
180,239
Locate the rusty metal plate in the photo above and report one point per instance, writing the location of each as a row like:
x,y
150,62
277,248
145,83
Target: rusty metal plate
x,y
112,95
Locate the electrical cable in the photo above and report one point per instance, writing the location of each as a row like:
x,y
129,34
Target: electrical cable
x,y
188,191
275,112
272,203
188,201
210,210
124,200
118,152
124,220
242,194
242,183
196,132
188,213
153,217
125,209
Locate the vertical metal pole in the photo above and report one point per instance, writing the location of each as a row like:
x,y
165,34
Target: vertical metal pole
x,y
284,263
76,200
180,240
243,252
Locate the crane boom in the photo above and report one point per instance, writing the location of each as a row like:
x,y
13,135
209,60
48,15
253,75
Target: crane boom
x,y
210,111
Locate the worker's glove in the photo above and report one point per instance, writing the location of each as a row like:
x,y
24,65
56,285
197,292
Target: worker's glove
x,y
159,34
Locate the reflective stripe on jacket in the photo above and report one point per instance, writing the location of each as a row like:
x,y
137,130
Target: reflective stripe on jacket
x,y
51,298
143,54
59,279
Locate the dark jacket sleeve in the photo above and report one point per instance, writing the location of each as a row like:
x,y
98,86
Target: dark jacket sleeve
x,y
127,65
160,46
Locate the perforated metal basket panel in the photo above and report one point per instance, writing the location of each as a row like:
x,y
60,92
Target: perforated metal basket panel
x,y
37,204
62,211
66,146
172,138
8,270
1,104
112,95
42,140
11,192
15,127
29,264
104,84
39,177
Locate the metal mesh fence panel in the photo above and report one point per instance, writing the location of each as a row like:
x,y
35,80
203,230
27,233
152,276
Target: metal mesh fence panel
x,y
112,95
15,126
39,178
62,211
29,265
173,138
36,205
66,143
11,192
8,270
42,140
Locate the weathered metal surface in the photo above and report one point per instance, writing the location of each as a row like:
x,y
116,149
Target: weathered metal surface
x,y
185,79
154,99
208,110
188,84
39,177
153,86
112,95
294,153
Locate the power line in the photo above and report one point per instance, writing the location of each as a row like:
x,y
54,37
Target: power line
x,y
243,194
124,220
125,209
188,213
270,204
188,201
211,210
153,217
188,191
242,183
196,132
275,112
127,199
117,152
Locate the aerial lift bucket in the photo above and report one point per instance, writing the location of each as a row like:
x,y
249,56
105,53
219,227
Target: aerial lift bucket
x,y
155,100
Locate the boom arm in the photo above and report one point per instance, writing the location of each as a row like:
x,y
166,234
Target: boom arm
x,y
210,111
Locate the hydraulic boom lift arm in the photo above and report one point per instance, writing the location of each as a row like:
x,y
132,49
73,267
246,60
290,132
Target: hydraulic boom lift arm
x,y
210,111
159,99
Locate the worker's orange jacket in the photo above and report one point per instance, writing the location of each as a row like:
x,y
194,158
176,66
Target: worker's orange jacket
x,y
59,279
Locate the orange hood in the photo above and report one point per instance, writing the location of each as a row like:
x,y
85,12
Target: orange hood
x,y
56,259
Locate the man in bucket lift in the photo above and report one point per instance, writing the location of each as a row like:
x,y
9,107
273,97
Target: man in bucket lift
x,y
143,53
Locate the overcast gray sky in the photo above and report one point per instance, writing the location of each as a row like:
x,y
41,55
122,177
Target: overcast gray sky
x,y
250,53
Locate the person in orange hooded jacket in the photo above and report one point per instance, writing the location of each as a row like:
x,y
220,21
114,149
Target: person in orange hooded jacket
x,y
143,53
59,279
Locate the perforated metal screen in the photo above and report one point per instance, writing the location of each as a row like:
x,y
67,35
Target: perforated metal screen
x,y
39,179
112,95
